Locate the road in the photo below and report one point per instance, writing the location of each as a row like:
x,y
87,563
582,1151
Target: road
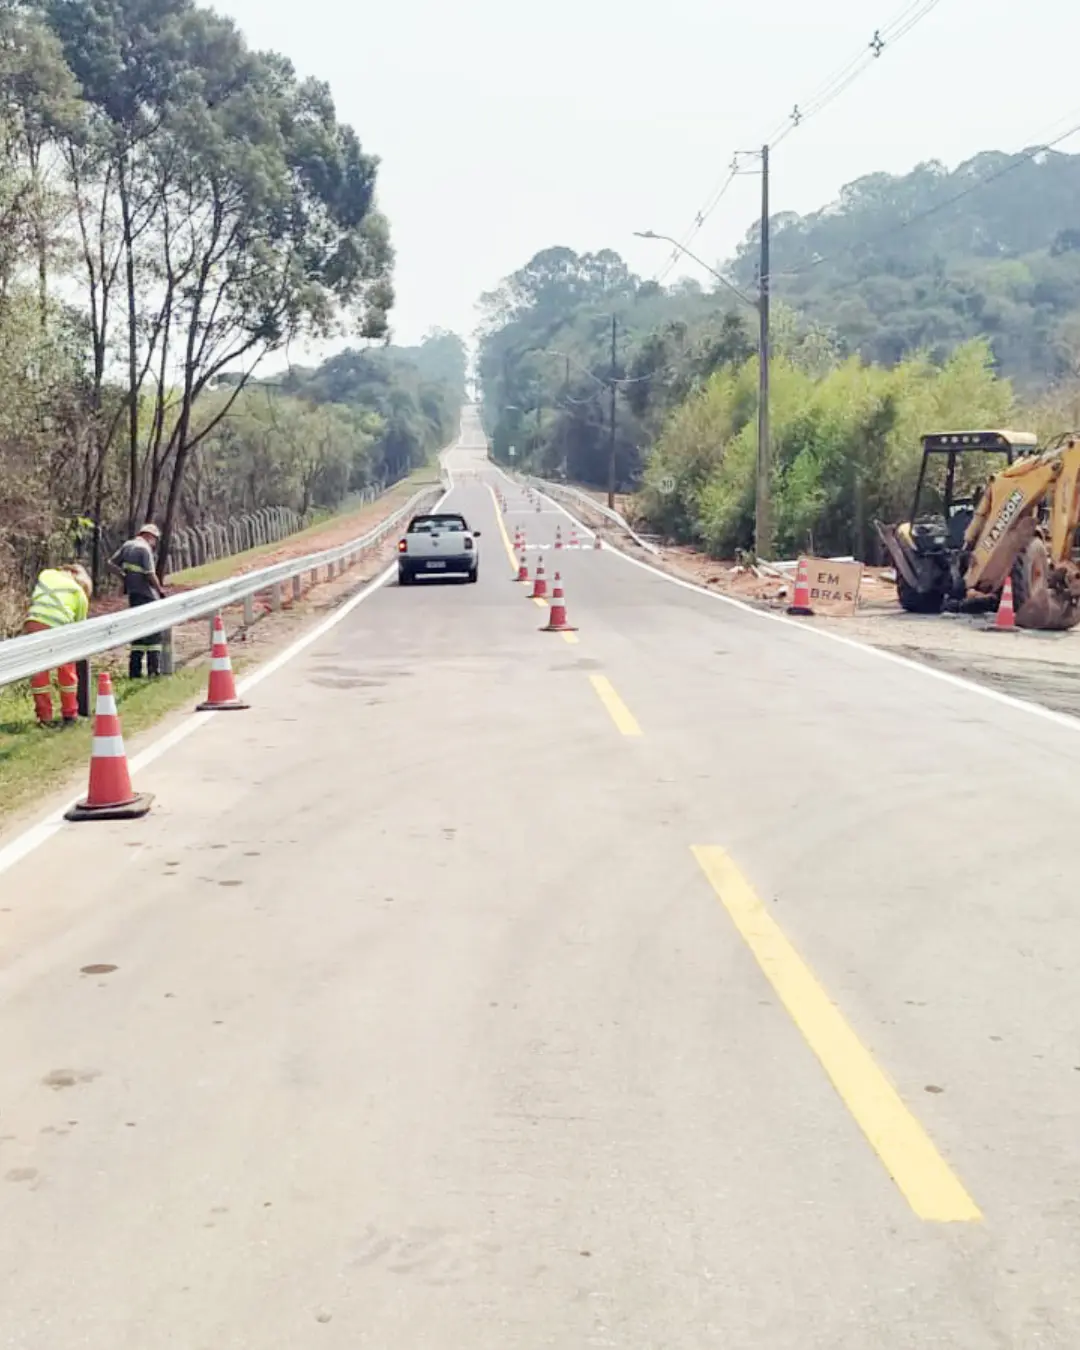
x,y
695,982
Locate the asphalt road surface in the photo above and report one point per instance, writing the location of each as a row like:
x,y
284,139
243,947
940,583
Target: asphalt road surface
x,y
688,981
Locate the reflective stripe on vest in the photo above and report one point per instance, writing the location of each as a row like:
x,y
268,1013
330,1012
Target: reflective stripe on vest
x,y
56,599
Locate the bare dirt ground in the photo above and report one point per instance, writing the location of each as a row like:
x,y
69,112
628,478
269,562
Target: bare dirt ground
x,y
191,642
337,531
1039,667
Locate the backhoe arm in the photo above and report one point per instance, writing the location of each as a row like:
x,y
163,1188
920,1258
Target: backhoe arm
x,y
1065,512
1005,518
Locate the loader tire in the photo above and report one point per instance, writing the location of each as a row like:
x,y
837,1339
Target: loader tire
x,y
917,602
1036,603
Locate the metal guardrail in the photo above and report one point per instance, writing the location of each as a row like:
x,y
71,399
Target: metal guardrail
x,y
583,499
21,657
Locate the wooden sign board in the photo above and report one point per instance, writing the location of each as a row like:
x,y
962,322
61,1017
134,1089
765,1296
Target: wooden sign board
x,y
834,587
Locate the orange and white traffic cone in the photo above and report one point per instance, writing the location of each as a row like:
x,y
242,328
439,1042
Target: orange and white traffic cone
x,y
1005,619
221,693
539,589
801,603
110,795
557,622
523,566
573,537
597,542
558,537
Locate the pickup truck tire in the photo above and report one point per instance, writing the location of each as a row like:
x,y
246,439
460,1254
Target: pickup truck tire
x,y
404,577
474,574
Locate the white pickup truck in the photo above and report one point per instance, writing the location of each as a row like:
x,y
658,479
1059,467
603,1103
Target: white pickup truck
x,y
438,545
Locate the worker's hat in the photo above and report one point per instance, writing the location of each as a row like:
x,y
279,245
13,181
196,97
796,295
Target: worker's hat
x,y
82,576
151,529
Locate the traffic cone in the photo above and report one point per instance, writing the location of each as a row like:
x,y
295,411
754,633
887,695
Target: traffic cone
x,y
596,541
573,537
523,566
1005,619
801,603
539,589
110,795
557,622
221,693
558,536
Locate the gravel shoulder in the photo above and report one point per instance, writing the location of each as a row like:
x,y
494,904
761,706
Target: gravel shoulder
x,y
1042,668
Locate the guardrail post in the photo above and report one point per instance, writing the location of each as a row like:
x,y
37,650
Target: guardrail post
x,y
297,590
249,610
168,663
314,575
82,673
275,595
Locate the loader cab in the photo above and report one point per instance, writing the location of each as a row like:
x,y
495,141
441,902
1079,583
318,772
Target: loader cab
x,y
955,467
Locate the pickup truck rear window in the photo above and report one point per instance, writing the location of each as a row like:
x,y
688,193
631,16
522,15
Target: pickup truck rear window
x,y
427,524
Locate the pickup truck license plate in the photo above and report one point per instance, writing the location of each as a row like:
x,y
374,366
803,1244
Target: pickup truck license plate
x,y
436,564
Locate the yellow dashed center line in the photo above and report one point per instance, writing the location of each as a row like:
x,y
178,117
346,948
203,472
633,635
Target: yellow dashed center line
x,y
502,530
927,1182
620,714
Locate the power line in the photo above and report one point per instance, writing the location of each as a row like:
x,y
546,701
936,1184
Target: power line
x,y
890,33
1021,159
831,90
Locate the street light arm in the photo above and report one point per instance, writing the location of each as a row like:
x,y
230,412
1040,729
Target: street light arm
x,y
667,239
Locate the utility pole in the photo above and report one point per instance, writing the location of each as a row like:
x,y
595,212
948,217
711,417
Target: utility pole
x,y
611,444
763,532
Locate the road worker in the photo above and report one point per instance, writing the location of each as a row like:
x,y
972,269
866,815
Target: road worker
x,y
136,562
61,596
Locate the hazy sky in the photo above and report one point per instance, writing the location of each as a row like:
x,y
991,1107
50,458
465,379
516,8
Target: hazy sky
x,y
505,128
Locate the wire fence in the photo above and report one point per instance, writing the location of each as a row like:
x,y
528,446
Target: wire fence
x,y
198,545
24,554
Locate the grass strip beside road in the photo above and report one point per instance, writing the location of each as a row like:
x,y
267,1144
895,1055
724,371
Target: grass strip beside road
x,y
34,762
366,516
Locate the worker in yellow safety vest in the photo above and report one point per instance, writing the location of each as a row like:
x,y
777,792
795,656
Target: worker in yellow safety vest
x,y
61,596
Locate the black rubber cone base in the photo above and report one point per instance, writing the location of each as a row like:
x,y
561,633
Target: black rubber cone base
x,y
559,628
138,806
801,610
238,706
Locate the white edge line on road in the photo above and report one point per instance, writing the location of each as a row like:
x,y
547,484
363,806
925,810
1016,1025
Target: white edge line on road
x,y
43,830
942,676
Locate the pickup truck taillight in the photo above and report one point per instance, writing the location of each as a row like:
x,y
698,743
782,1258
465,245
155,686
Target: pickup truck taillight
x,y
403,546
468,543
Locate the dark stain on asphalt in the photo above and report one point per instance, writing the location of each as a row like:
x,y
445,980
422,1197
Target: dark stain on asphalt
x,y
583,663
99,968
21,1174
230,883
65,1078
933,1087
346,682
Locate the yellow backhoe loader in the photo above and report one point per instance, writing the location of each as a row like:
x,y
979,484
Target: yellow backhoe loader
x,y
1022,524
